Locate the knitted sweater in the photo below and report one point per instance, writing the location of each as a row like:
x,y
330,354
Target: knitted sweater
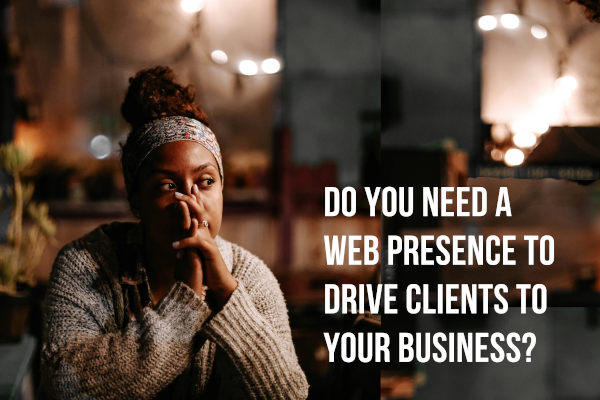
x,y
180,349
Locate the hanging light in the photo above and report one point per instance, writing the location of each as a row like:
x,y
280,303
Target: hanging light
x,y
487,23
271,66
248,67
192,6
219,56
497,155
510,21
539,32
514,157
539,126
500,132
564,86
529,126
525,140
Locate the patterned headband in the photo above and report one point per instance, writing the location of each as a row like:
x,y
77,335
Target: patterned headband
x,y
158,132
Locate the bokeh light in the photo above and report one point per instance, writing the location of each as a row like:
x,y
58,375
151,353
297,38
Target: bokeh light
x,y
510,21
514,157
192,6
497,155
271,66
219,56
487,22
564,86
248,67
100,146
539,32
525,140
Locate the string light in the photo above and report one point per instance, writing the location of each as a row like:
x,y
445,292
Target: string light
x,y
219,56
539,32
529,126
497,155
526,132
514,157
525,140
510,21
192,6
500,132
248,67
564,86
270,66
487,22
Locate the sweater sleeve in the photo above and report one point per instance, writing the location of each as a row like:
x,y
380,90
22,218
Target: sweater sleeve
x,y
253,329
85,355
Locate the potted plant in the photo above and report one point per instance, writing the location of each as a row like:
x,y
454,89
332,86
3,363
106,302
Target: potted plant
x,y
21,253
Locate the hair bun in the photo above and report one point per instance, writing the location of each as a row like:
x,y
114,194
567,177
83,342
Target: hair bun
x,y
592,8
153,94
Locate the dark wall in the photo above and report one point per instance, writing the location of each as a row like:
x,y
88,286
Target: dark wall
x,y
332,75
430,54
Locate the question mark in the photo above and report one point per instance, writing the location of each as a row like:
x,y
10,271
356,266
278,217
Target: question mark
x,y
531,346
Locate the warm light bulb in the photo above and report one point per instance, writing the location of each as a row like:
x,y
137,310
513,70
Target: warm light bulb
x,y
514,157
248,67
539,32
509,21
497,155
529,126
192,6
564,86
219,56
271,66
500,132
525,140
539,126
487,23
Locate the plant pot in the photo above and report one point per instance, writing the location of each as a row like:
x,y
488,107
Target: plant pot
x,y
14,315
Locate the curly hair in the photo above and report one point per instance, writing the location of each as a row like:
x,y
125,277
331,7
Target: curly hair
x,y
592,8
153,94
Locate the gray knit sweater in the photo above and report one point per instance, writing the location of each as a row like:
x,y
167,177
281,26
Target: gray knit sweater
x,y
180,349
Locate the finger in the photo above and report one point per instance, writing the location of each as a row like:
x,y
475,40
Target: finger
x,y
194,228
192,241
196,192
186,215
194,206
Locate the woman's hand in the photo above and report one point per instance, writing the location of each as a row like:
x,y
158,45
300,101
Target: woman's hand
x,y
215,273
188,268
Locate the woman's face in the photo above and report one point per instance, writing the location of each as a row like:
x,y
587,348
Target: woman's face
x,y
176,167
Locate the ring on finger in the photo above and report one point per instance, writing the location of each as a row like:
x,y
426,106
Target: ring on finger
x,y
205,223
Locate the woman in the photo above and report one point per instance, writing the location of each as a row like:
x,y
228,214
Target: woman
x,y
165,308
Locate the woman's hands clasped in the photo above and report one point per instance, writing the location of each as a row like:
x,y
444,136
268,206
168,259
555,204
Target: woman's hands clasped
x,y
201,262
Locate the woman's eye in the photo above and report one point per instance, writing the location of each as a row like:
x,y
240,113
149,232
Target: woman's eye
x,y
167,186
207,182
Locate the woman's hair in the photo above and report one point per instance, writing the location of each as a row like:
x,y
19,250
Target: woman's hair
x,y
153,94
592,8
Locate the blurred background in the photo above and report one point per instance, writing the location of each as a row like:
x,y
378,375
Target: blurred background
x,y
308,94
292,91
493,93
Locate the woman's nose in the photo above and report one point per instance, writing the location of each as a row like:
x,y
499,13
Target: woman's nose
x,y
189,189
